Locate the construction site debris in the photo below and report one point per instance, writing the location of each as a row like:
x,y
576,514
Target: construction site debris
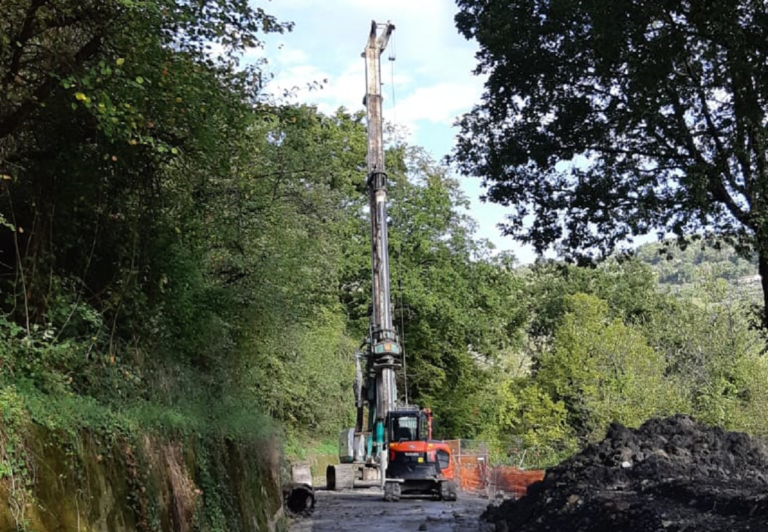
x,y
669,475
299,500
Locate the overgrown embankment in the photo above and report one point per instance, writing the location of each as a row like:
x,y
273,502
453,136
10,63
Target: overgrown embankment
x,y
73,465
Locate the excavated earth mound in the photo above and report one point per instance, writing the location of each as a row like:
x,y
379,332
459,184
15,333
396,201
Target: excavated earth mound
x,y
670,474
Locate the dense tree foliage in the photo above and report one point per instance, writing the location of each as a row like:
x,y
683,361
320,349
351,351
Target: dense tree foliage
x,y
596,356
602,120
172,238
157,216
175,246
459,307
680,269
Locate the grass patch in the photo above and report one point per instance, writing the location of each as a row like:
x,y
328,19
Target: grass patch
x,y
232,417
301,447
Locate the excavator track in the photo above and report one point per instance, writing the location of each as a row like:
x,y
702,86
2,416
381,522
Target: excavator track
x,y
341,476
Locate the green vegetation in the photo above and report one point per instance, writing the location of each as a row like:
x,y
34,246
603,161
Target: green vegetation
x,y
602,121
609,344
681,270
181,258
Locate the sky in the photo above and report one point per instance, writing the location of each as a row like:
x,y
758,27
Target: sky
x,y
431,75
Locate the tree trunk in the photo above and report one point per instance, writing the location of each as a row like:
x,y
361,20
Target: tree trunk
x,y
762,268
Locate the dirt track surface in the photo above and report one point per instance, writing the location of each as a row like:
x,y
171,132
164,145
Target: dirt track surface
x,y
364,510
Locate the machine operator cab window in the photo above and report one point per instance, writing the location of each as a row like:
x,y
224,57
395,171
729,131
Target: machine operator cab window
x,y
408,426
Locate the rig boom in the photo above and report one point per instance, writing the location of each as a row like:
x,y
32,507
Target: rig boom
x,y
384,346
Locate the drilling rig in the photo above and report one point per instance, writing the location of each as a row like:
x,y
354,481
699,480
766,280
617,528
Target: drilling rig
x,y
394,448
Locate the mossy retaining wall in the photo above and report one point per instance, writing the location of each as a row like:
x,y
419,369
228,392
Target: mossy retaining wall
x,y
86,482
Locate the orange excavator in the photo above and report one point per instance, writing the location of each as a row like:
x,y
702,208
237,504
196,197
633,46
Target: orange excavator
x,y
417,463
394,448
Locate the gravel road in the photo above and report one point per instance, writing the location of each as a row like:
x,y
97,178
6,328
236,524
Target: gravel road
x,y
364,510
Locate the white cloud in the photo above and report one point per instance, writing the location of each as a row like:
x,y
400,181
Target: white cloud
x,y
439,103
433,77
296,78
337,89
432,81
425,39
288,56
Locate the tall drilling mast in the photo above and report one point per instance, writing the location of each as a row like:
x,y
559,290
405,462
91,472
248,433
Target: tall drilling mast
x,y
384,345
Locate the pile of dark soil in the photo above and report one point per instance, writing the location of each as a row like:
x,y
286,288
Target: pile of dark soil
x,y
671,475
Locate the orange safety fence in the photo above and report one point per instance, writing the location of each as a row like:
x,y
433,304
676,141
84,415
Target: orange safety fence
x,y
514,480
472,478
475,475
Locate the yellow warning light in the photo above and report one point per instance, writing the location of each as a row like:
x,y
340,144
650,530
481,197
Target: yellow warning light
x,y
421,460
388,347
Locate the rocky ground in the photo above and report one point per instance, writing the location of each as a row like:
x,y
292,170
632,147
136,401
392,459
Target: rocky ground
x,y
670,475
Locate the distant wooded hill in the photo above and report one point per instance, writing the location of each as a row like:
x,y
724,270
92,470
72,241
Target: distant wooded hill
x,y
682,269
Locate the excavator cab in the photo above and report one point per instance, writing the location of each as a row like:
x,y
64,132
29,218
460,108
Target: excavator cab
x,y
408,425
417,463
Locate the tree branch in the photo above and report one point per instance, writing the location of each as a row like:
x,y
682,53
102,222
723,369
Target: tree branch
x,y
721,155
13,121
714,183
26,33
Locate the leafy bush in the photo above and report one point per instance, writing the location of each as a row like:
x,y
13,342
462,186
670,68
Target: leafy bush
x,y
604,371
